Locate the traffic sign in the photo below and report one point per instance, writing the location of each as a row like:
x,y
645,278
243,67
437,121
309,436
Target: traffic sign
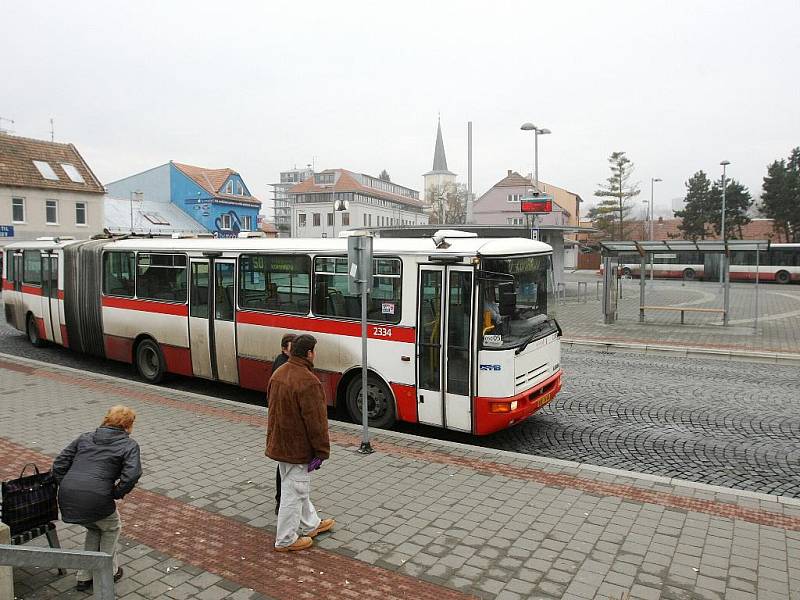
x,y
6,231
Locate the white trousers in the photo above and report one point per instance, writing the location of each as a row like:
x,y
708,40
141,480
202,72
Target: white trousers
x,y
296,511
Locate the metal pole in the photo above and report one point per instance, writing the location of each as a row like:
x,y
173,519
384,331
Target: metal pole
x,y
724,256
365,448
130,196
642,284
726,288
468,217
652,191
536,158
755,322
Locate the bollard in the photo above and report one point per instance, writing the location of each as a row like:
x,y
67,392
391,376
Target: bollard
x,y
6,573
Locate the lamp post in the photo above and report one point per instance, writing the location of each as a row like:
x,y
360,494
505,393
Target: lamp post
x,y
724,164
537,131
653,181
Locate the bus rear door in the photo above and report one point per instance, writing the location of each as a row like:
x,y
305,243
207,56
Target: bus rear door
x,y
50,312
15,313
444,340
212,330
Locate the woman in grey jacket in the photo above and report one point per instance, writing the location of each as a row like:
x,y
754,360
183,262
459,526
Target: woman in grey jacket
x,y
94,471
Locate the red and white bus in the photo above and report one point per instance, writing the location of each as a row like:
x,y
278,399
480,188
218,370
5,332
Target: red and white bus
x,y
459,331
781,263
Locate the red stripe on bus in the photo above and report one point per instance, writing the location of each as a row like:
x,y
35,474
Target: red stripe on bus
x,y
30,289
406,396
254,374
64,337
179,360
40,326
7,285
118,348
60,294
180,310
391,333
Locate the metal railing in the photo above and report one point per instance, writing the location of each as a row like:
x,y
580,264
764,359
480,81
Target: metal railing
x,y
99,563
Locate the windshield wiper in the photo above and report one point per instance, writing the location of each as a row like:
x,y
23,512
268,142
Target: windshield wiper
x,y
535,336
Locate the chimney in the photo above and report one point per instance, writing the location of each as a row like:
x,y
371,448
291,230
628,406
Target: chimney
x,y
509,172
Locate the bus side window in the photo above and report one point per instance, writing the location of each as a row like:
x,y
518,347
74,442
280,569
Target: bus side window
x,y
32,267
118,274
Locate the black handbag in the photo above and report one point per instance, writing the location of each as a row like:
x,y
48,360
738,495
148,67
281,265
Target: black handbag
x,y
30,501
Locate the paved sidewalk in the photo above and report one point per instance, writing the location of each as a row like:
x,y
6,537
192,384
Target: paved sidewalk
x,y
778,329
417,519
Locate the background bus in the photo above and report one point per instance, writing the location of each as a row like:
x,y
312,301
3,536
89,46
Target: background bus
x,y
459,331
781,263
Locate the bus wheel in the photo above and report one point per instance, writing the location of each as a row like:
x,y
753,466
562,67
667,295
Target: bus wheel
x,y
150,361
33,333
782,277
380,406
689,274
626,271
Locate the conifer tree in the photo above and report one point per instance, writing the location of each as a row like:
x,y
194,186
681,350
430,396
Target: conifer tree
x,y
616,193
697,212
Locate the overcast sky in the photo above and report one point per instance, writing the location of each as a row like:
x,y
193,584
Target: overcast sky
x,y
264,86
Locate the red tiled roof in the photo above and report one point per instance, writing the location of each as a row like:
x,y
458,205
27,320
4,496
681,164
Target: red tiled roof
x,y
347,182
17,169
212,180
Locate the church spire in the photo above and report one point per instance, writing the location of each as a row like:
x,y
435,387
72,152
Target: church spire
x,y
439,158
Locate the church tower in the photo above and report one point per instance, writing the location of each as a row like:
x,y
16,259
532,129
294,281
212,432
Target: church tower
x,y
438,179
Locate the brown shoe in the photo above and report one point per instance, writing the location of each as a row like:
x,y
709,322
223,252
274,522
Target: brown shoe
x,y
300,544
324,525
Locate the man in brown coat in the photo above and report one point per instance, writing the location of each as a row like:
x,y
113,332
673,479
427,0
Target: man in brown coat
x,y
297,434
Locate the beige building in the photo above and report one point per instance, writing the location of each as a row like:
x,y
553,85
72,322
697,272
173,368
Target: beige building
x,y
46,190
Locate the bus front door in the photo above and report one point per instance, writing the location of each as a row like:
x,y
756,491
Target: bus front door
x,y
13,302
212,330
444,340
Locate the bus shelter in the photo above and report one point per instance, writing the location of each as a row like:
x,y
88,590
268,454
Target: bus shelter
x,y
716,256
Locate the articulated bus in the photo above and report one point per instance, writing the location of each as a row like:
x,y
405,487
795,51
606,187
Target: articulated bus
x,y
781,263
459,332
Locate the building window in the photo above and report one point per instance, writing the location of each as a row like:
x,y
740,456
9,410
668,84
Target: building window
x,y
323,178
515,221
247,223
32,267
72,173
317,221
239,188
364,216
51,212
330,219
45,170
161,277
333,298
226,222
229,188
301,219
18,210
118,274
274,282
369,220
514,197
80,213
345,219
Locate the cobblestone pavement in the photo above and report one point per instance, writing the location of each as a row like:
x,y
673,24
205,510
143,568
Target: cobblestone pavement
x,y
417,519
778,307
733,424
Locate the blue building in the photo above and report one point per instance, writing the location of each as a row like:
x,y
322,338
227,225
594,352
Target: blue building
x,y
217,199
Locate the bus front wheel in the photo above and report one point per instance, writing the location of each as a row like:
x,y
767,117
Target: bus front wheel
x,y
689,274
380,406
782,277
33,333
150,361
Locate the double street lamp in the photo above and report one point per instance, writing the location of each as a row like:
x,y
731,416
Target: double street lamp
x,y
537,131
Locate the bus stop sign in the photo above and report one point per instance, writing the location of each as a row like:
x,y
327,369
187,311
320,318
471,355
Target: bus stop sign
x,y
359,263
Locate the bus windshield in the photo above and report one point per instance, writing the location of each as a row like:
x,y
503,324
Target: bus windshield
x,y
514,301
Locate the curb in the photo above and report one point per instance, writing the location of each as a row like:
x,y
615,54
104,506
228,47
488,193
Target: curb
x,y
533,460
729,354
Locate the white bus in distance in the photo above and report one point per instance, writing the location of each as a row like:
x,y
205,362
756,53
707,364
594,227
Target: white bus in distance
x,y
459,331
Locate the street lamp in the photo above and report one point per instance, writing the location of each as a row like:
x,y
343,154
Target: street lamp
x,y
653,181
537,131
724,164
